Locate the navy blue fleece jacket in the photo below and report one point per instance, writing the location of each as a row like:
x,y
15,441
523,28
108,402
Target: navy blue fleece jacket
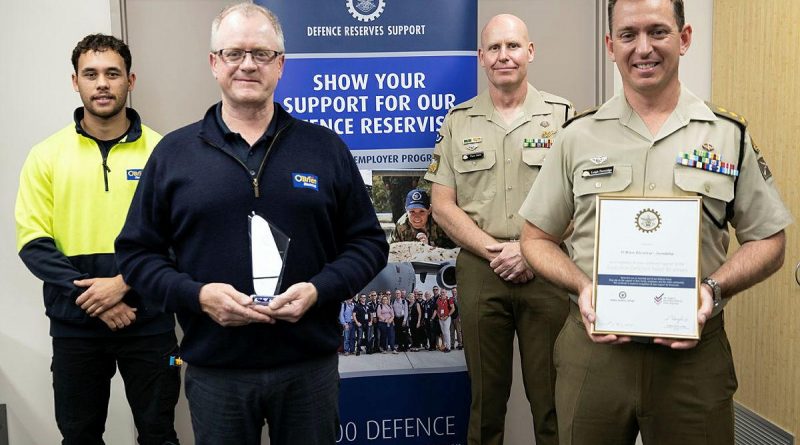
x,y
188,226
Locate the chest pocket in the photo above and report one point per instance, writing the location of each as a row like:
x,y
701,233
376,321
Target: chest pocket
x,y
716,189
618,181
534,159
477,180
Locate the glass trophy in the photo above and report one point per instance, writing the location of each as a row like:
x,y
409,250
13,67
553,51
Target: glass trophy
x,y
268,247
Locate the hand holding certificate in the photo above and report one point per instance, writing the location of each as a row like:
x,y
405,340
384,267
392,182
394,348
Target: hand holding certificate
x,y
646,271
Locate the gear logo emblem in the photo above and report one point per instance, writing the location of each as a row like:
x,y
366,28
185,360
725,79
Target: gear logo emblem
x,y
365,10
648,220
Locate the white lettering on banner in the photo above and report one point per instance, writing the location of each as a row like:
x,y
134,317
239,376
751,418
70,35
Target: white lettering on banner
x,y
410,427
436,101
339,125
406,81
400,124
406,30
325,104
392,103
343,82
323,31
360,31
363,31
349,432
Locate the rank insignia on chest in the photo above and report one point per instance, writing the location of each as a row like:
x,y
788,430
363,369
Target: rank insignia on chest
x,y
537,143
472,156
704,160
548,134
472,141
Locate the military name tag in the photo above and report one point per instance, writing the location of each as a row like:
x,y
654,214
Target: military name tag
x,y
599,171
472,156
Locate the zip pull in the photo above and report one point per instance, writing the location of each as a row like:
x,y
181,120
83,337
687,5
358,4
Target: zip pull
x,y
255,187
106,171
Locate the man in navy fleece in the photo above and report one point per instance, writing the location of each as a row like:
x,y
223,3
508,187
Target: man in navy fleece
x,y
186,244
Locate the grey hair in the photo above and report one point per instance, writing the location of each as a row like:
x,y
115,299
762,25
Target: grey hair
x,y
247,8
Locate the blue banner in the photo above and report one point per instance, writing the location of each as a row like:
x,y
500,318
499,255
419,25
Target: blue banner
x,y
380,73
413,409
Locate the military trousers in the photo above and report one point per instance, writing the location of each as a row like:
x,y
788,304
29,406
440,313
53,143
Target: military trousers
x,y
607,394
492,311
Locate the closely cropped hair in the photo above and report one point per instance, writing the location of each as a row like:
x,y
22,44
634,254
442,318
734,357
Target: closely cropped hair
x,y
247,8
677,8
100,43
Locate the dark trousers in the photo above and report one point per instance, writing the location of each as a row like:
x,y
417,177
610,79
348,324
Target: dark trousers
x,y
401,334
417,335
492,311
299,401
363,336
82,370
387,336
606,395
434,330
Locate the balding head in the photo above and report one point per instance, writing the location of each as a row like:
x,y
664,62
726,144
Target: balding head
x,y
504,21
505,52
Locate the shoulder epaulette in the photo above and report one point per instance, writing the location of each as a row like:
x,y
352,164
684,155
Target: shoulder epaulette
x,y
464,105
582,114
552,99
727,114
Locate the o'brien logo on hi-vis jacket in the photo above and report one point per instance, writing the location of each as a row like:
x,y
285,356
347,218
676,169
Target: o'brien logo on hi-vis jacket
x,y
305,181
134,174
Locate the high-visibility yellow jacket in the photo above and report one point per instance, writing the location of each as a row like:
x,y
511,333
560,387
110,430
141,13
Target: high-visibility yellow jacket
x,y
71,204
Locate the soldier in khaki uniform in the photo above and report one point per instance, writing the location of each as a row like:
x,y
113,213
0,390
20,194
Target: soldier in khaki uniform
x,y
611,387
417,225
487,156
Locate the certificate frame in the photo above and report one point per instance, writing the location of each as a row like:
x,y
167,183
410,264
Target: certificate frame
x,y
646,277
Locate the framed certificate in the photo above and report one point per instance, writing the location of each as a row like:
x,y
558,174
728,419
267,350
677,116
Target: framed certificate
x,y
647,266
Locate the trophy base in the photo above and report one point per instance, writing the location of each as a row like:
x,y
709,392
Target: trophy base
x,y
262,300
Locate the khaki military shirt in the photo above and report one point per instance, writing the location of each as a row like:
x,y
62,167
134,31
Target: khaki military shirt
x,y
491,164
644,166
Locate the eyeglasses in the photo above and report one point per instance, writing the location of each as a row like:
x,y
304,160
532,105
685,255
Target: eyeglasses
x,y
235,56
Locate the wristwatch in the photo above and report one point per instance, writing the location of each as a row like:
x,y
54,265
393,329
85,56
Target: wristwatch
x,y
716,291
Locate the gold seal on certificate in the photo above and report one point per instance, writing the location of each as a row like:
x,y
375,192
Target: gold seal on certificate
x,y
647,266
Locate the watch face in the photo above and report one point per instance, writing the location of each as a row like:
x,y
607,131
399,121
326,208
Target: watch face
x,y
715,289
